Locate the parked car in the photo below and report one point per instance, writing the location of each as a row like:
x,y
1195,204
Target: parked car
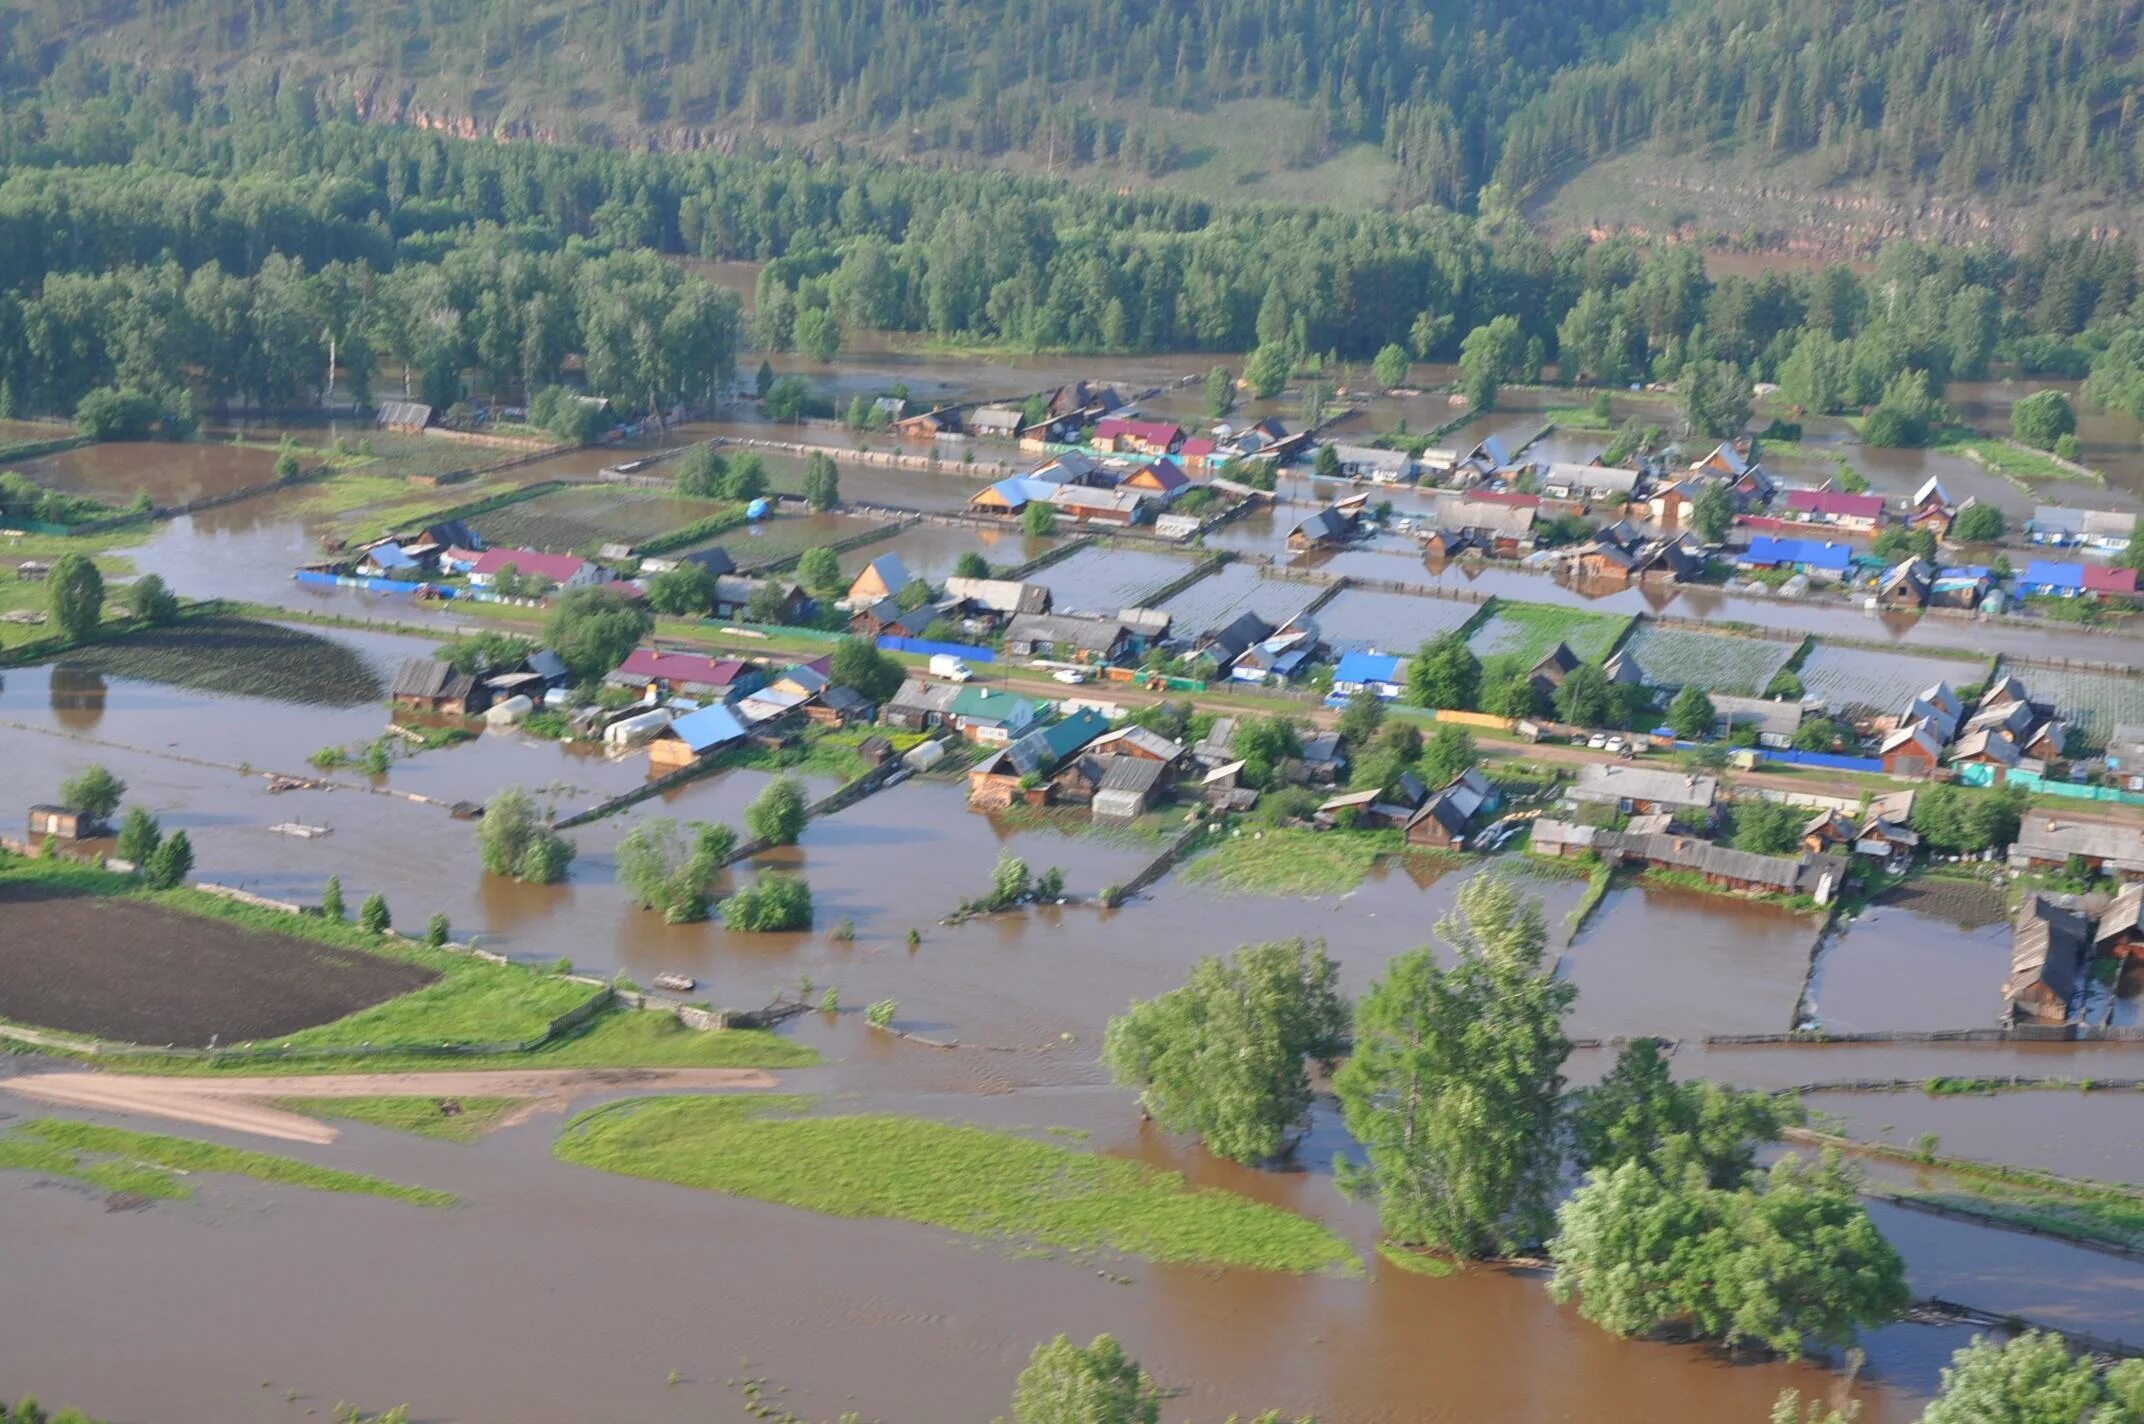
x,y
949,667
1073,675
1598,741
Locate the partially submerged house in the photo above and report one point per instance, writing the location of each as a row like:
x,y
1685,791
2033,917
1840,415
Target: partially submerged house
x,y
1128,788
2120,933
1905,584
992,602
1329,528
429,685
2048,943
1819,559
694,735
1450,813
1368,462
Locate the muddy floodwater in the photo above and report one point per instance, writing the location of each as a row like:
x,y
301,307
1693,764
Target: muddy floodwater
x,y
559,1295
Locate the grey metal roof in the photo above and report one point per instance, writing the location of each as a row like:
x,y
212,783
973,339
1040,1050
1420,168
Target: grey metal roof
x,y
1123,773
1093,635
2047,946
1600,782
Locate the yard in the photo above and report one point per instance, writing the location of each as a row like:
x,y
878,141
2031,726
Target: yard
x,y
1518,635
2093,703
1881,680
1366,620
1717,662
1235,589
582,519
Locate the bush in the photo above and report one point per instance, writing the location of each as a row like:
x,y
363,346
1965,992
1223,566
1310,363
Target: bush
x,y
1039,520
564,414
139,837
513,840
116,413
2042,418
372,916
331,906
880,1014
435,931
773,902
93,792
172,861
1977,524
151,602
776,815
74,593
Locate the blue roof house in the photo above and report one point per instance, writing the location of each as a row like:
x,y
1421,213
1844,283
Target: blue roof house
x,y
2051,580
1815,557
1383,672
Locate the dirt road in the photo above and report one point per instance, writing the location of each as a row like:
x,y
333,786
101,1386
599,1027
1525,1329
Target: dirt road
x,y
248,1104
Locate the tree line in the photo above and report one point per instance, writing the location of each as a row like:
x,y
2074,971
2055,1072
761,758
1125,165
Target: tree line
x,y
247,242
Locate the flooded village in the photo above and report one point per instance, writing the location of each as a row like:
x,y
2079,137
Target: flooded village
x,y
883,761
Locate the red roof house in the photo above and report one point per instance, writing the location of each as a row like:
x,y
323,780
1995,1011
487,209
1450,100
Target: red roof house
x,y
2108,582
564,570
689,673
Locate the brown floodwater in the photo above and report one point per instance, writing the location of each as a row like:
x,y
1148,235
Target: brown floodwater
x,y
171,472
1676,963
2098,1135
578,1293
1897,967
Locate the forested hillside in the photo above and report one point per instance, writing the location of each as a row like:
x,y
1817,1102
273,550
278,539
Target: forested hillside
x,y
1954,95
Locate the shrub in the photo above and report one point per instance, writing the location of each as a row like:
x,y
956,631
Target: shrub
x,y
435,931
773,902
331,898
513,841
139,837
776,815
151,601
93,792
880,1014
372,916
171,862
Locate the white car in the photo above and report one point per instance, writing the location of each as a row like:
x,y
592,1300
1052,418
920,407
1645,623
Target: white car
x,y
1069,675
1615,744
1598,741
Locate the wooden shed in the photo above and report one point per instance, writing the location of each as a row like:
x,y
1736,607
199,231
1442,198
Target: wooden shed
x,y
59,822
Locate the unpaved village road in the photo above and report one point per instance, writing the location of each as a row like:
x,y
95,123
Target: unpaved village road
x,y
248,1104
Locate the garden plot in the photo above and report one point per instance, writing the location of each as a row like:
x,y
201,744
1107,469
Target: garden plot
x,y
1100,579
233,656
586,518
1875,681
128,969
785,536
1717,662
2093,703
1233,590
1521,634
1364,620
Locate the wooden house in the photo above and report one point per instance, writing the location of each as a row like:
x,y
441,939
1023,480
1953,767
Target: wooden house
x,y
1931,508
2120,934
1905,585
1450,813
1069,637
1136,437
2046,842
920,706
884,577
1329,528
429,685
694,735
2047,953
1548,674
1912,750
929,424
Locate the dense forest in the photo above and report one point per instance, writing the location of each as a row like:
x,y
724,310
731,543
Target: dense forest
x,y
149,230
1950,93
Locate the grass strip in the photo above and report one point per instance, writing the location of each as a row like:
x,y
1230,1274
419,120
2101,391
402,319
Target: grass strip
x,y
1417,1263
470,1119
966,1179
1292,861
150,1150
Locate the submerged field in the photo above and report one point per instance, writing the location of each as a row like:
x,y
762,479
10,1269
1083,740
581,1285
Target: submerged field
x,y
2093,703
149,1164
1873,680
239,656
968,1179
1716,662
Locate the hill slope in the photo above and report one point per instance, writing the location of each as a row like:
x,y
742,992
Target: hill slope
x,y
1963,104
